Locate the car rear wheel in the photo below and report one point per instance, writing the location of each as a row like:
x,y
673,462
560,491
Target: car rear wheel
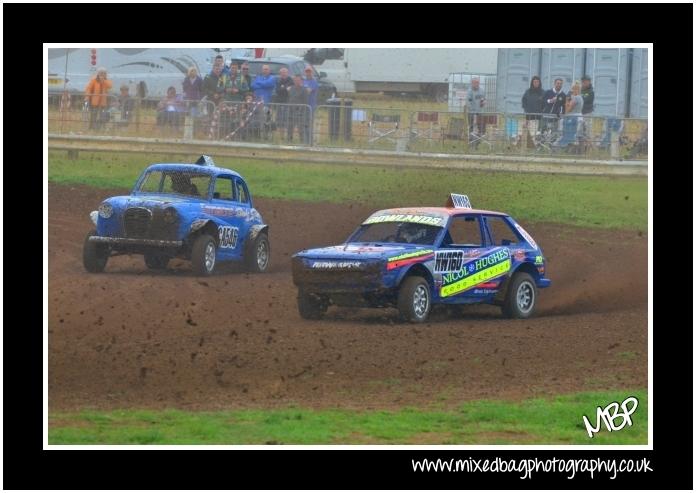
x,y
414,301
520,300
156,261
94,255
259,255
203,255
311,306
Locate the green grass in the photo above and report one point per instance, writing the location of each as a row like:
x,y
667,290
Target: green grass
x,y
556,420
605,202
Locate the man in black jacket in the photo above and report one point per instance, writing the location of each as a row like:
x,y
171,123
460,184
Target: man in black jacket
x,y
554,103
280,95
587,93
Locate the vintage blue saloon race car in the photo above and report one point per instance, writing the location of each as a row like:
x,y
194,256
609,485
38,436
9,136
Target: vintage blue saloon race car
x,y
411,258
194,211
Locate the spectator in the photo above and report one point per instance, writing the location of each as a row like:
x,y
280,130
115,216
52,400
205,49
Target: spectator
x,y
587,93
233,90
220,62
554,103
282,90
574,100
246,79
554,99
298,97
96,98
125,103
533,99
476,100
170,110
263,85
193,90
214,85
312,86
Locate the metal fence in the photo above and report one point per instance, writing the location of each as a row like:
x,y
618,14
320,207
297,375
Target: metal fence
x,y
343,125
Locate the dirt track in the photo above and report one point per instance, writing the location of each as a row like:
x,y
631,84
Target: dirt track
x,y
130,338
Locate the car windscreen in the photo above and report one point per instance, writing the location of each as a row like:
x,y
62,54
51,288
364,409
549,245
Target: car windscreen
x,y
175,182
396,232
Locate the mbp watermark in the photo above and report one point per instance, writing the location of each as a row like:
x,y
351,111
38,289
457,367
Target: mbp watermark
x,y
609,415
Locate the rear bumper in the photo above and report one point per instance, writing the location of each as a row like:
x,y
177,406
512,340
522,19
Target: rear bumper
x,y
135,241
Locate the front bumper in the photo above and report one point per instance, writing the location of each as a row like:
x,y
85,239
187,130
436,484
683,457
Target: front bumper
x,y
328,281
135,241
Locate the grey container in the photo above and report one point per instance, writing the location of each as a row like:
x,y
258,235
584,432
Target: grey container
x,y
516,67
639,84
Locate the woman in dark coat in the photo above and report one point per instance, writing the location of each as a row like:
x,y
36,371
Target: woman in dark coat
x,y
533,99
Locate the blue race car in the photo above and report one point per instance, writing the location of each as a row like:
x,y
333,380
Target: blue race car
x,y
411,258
194,211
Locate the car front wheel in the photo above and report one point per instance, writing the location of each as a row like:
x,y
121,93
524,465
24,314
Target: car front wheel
x,y
94,255
520,300
203,255
311,306
414,301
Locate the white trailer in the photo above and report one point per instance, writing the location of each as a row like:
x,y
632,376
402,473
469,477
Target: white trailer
x,y
395,70
146,71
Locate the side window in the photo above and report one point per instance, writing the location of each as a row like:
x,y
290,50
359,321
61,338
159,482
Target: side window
x,y
242,195
224,188
500,231
298,69
464,231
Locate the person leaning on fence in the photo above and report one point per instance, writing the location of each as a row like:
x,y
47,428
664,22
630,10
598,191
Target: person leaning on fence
x,y
193,90
312,86
214,85
573,117
96,98
298,98
246,79
476,100
170,110
263,85
125,103
280,96
233,81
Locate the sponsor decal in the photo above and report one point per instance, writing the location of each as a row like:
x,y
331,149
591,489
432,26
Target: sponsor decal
x,y
228,236
218,211
539,260
519,255
409,258
406,218
448,261
526,236
352,264
476,271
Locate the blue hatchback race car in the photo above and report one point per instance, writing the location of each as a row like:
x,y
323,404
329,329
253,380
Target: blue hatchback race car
x,y
412,258
193,211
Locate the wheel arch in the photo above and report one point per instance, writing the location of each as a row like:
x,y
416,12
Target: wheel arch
x,y
204,226
417,270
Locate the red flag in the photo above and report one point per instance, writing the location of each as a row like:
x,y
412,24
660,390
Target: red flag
x,y
259,52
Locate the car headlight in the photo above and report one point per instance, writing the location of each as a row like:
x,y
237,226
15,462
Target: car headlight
x,y
106,210
169,215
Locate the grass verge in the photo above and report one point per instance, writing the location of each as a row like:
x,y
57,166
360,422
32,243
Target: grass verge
x,y
556,420
605,202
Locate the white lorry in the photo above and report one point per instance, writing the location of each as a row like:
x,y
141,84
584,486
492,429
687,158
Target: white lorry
x,y
148,72
395,70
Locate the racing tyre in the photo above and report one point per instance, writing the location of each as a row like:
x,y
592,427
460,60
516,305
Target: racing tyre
x,y
94,255
520,299
311,306
203,255
156,261
414,301
259,255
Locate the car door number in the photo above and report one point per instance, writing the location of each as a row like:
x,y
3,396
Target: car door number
x,y
228,236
